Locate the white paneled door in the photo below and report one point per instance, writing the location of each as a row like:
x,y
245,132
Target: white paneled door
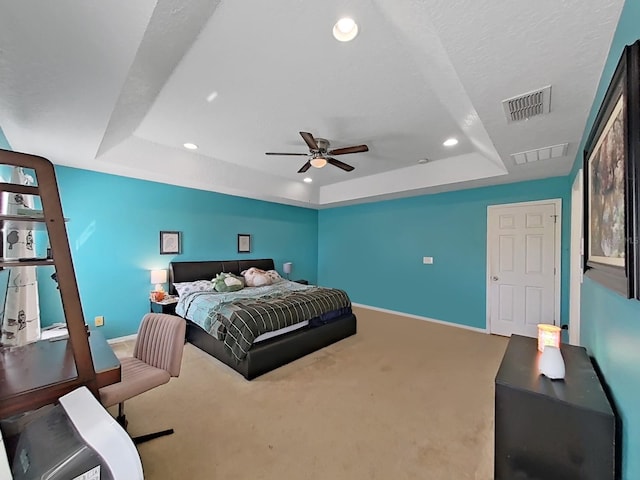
x,y
523,266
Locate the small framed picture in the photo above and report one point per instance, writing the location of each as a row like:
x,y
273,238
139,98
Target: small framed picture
x,y
169,243
244,243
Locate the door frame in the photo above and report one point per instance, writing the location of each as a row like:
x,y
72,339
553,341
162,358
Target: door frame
x,y
575,259
558,254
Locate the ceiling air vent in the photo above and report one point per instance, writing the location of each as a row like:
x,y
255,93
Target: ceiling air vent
x,y
527,105
544,153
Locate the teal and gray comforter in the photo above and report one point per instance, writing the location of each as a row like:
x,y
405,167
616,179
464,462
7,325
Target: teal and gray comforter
x,y
238,318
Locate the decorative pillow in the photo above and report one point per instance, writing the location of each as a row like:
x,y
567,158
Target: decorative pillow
x,y
274,276
185,288
227,282
254,277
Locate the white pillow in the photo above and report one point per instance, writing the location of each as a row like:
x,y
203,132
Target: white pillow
x,y
185,288
254,277
274,276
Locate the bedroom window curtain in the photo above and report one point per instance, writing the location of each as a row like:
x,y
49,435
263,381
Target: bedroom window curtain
x,y
21,312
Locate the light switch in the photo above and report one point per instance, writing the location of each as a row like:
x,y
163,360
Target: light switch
x,y
427,260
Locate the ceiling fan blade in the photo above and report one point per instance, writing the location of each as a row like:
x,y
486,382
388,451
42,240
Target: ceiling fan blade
x,y
354,149
339,164
297,154
308,138
305,167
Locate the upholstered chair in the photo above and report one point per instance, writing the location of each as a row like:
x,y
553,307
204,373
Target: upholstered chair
x,y
157,357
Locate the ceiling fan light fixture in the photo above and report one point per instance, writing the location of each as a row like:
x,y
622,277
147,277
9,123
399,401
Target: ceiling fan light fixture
x,y
345,29
318,162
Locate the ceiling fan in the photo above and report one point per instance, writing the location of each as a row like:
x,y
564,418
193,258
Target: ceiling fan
x,y
319,153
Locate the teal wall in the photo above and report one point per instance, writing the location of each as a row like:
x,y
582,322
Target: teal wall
x,y
610,324
5,175
610,330
114,237
374,251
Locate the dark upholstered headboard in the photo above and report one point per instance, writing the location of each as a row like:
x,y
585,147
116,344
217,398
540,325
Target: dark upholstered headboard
x,y
192,271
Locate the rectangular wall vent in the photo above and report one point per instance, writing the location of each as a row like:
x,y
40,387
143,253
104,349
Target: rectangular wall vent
x,y
527,105
544,153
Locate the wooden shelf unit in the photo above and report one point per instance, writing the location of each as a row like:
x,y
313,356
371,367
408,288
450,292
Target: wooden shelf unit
x,y
39,373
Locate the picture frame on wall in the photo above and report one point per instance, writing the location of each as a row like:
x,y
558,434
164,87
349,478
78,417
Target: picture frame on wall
x,y
244,243
169,243
611,179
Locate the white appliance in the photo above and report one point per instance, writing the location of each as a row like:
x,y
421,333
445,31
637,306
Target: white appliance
x,y
5,470
77,439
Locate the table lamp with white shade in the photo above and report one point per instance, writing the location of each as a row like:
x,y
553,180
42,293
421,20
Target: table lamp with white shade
x,y
158,277
286,268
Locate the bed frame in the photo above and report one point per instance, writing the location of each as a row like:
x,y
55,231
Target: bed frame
x,y
266,355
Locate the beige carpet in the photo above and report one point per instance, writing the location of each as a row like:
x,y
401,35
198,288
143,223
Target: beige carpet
x,y
402,399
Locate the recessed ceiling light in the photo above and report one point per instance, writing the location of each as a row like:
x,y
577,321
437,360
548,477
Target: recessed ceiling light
x,y
212,96
190,146
345,29
307,180
423,160
450,142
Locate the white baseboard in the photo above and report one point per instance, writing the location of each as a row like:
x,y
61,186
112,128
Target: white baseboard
x,y
360,305
426,319
122,339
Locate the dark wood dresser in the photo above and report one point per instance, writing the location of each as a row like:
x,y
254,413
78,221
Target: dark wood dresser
x,y
551,429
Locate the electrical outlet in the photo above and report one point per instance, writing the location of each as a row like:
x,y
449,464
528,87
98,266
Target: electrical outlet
x,y
427,260
99,320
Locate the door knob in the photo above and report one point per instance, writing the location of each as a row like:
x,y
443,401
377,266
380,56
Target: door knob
x,y
494,278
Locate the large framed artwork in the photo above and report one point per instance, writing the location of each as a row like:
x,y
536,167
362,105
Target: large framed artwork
x,y
611,179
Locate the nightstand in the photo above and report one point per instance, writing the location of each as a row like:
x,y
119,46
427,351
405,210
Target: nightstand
x,y
303,282
168,306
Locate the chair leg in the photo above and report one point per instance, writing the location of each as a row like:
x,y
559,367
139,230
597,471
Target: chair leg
x,y
122,420
151,436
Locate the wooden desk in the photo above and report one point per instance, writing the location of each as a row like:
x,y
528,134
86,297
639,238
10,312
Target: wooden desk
x,y
105,362
24,371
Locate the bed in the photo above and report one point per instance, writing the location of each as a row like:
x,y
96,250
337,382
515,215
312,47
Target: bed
x,y
269,353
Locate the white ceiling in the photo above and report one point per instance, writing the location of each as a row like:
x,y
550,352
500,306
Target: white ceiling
x,y
119,86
